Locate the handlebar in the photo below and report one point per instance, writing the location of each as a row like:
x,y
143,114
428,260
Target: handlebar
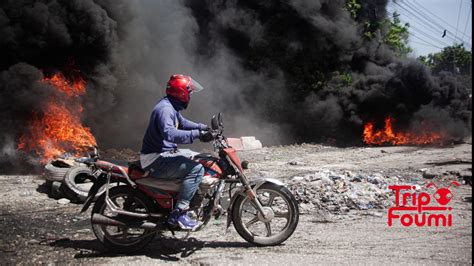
x,y
86,161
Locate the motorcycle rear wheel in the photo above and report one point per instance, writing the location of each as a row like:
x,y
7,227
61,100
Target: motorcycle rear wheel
x,y
280,223
123,239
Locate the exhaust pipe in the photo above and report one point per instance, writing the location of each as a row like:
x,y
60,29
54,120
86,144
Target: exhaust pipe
x,y
129,222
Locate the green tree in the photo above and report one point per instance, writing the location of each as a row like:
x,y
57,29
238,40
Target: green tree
x,y
455,59
353,7
397,35
388,30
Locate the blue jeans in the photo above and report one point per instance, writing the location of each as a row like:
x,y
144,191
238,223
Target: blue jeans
x,y
183,168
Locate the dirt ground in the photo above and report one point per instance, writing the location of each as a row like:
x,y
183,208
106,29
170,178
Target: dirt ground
x,y
37,229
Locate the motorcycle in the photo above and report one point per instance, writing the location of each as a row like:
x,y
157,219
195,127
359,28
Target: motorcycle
x,y
136,206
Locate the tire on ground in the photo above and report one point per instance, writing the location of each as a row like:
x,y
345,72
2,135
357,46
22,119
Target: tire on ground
x,y
77,183
56,190
54,173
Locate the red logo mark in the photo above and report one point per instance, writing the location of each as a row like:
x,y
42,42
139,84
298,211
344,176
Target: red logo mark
x,y
413,208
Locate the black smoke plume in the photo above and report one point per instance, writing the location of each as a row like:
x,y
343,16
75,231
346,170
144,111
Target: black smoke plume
x,y
308,42
285,71
38,39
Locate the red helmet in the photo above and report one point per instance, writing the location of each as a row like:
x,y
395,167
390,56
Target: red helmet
x,y
180,87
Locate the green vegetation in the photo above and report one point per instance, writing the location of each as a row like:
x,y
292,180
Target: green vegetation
x,y
397,35
455,59
353,7
392,32
386,30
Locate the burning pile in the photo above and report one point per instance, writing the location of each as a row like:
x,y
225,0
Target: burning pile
x,y
49,50
58,128
388,135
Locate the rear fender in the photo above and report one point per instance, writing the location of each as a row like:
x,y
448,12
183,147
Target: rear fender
x,y
255,184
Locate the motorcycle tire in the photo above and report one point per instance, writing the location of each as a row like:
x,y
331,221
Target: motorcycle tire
x,y
114,244
291,217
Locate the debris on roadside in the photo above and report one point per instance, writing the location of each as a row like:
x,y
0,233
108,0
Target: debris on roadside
x,y
295,163
64,201
339,193
427,174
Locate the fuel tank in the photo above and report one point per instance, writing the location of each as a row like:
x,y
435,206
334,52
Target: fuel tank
x,y
210,163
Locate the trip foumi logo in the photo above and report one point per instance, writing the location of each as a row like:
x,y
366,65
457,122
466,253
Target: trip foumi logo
x,y
418,209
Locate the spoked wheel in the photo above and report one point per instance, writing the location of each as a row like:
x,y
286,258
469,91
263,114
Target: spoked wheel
x,y
279,222
123,239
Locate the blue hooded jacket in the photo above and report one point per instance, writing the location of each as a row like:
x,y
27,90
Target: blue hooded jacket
x,y
167,128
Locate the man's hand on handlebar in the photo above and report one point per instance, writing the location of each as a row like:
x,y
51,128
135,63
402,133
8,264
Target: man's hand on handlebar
x,y
206,135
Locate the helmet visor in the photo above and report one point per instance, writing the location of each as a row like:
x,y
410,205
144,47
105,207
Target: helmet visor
x,y
194,86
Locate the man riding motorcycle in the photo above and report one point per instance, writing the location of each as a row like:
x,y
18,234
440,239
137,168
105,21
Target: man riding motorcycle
x,y
159,154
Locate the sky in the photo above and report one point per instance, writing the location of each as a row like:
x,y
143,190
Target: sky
x,y
429,18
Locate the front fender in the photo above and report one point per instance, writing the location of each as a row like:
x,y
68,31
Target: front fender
x,y
258,182
255,184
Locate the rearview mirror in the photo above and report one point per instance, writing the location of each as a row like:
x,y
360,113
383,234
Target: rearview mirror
x,y
219,119
214,123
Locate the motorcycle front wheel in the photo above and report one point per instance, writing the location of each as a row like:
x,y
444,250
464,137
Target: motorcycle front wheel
x,y
278,224
123,239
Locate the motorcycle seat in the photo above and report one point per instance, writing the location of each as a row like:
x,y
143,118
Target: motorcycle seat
x,y
140,176
135,165
117,162
163,184
135,170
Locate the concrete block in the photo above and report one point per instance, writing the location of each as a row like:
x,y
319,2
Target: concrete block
x,y
236,143
250,143
245,143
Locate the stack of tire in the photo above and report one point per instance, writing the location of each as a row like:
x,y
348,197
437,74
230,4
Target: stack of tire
x,y
70,180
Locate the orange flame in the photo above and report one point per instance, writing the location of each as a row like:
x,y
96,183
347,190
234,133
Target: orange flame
x,y
58,129
389,136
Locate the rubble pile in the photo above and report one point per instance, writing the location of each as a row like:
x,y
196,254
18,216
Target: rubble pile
x,y
339,193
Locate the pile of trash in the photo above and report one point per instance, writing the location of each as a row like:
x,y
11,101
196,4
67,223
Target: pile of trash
x,y
339,193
